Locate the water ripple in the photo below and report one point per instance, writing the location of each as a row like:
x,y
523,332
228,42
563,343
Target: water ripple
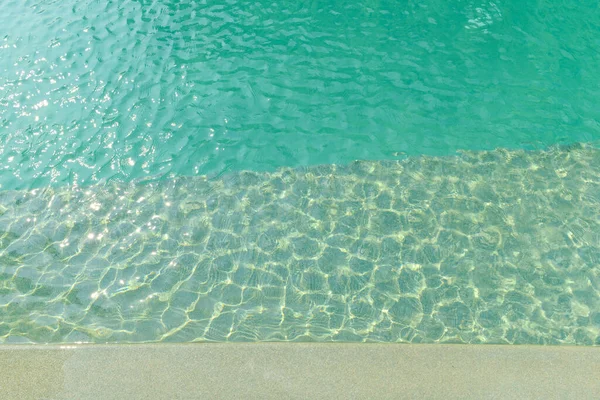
x,y
93,90
487,247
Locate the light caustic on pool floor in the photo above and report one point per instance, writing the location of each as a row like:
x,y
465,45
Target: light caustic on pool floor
x,y
500,246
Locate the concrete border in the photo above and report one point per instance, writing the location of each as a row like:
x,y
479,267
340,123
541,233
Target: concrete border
x,y
298,371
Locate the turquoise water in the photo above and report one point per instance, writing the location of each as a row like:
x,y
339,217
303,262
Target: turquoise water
x,y
93,90
186,171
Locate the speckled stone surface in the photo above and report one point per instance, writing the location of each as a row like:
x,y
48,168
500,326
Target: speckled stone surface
x,y
488,247
298,371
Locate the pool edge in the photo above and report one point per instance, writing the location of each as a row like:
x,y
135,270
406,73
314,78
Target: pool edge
x,y
298,371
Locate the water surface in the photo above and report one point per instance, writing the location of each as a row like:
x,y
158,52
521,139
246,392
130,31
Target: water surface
x,y
486,247
125,89
185,171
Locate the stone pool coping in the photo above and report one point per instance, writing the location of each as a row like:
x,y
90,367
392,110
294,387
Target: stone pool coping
x,y
298,371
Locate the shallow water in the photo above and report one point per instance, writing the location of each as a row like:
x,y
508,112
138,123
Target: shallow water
x,y
93,90
485,247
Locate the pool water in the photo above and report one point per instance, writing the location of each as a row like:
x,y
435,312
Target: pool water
x,y
319,170
486,247
93,90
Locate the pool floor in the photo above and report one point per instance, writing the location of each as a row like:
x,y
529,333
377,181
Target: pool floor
x,y
485,247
